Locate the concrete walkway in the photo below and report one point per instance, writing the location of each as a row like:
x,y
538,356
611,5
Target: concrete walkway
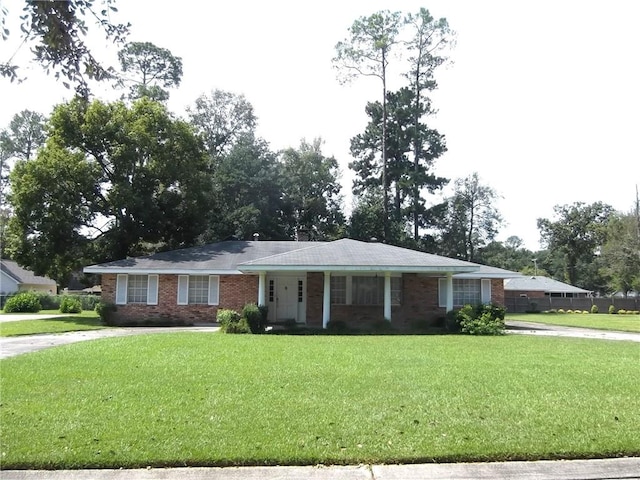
x,y
609,469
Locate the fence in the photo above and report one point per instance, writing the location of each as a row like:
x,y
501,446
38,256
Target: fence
x,y
523,304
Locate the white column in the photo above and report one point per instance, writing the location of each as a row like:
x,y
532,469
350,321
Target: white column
x,y
262,286
326,300
449,292
387,296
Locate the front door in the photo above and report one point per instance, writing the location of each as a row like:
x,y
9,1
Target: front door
x,y
286,299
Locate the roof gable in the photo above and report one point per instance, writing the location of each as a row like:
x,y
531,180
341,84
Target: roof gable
x,y
22,275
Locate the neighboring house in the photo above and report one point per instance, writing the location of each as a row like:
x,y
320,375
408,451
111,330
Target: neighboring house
x,y
540,287
306,282
14,278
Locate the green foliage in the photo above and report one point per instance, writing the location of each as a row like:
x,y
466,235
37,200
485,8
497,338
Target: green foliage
x,y
561,310
594,308
452,321
24,302
150,69
622,311
56,30
482,320
255,317
106,312
70,305
133,173
338,326
471,221
576,234
232,322
612,309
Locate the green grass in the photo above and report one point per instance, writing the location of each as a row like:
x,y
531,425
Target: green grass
x,y
601,321
71,323
211,399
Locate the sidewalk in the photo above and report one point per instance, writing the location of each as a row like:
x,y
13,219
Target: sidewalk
x,y
607,469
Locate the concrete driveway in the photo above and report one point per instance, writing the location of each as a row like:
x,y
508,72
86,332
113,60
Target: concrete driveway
x,y
12,346
541,329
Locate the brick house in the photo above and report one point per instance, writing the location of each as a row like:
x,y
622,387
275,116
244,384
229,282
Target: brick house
x,y
307,282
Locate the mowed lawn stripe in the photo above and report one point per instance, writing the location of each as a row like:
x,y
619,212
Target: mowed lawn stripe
x,y
202,399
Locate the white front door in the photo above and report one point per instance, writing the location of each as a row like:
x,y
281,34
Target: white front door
x,y
287,298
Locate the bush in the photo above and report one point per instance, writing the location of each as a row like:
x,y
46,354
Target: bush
x,y
552,311
612,309
482,320
25,302
622,311
561,310
70,305
594,308
256,317
452,321
106,313
231,322
337,326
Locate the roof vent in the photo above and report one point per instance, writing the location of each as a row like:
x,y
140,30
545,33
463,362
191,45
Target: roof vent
x,y
256,237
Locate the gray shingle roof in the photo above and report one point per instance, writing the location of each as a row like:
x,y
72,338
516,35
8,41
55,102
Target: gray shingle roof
x,y
540,284
22,275
347,254
222,257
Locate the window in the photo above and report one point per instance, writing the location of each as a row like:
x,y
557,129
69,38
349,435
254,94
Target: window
x,y
338,290
466,291
300,291
363,290
136,289
198,290
471,291
137,286
272,290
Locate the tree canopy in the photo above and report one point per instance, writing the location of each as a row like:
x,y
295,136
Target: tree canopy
x,y
56,30
120,181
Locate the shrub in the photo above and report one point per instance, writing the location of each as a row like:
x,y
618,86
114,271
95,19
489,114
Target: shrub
x,y
452,321
256,317
585,312
106,313
482,320
48,301
337,326
70,305
594,308
612,309
381,326
25,302
622,311
561,310
569,311
231,322
552,311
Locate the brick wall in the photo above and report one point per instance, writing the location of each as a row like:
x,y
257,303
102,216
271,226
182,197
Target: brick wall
x,y
235,292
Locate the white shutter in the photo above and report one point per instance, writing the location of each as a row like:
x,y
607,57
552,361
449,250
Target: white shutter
x,y
121,288
485,290
214,289
152,290
442,292
183,289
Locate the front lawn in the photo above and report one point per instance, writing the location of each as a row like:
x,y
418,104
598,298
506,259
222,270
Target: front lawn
x,y
202,399
70,323
601,321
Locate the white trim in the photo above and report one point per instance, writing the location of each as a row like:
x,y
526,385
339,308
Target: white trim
x,y
449,295
214,290
262,286
485,291
326,300
122,281
152,289
387,296
158,271
183,290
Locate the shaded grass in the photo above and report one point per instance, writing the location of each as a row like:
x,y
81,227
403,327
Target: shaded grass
x,y
600,321
202,399
70,323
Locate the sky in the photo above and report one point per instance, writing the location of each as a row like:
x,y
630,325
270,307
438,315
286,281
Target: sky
x,y
541,98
